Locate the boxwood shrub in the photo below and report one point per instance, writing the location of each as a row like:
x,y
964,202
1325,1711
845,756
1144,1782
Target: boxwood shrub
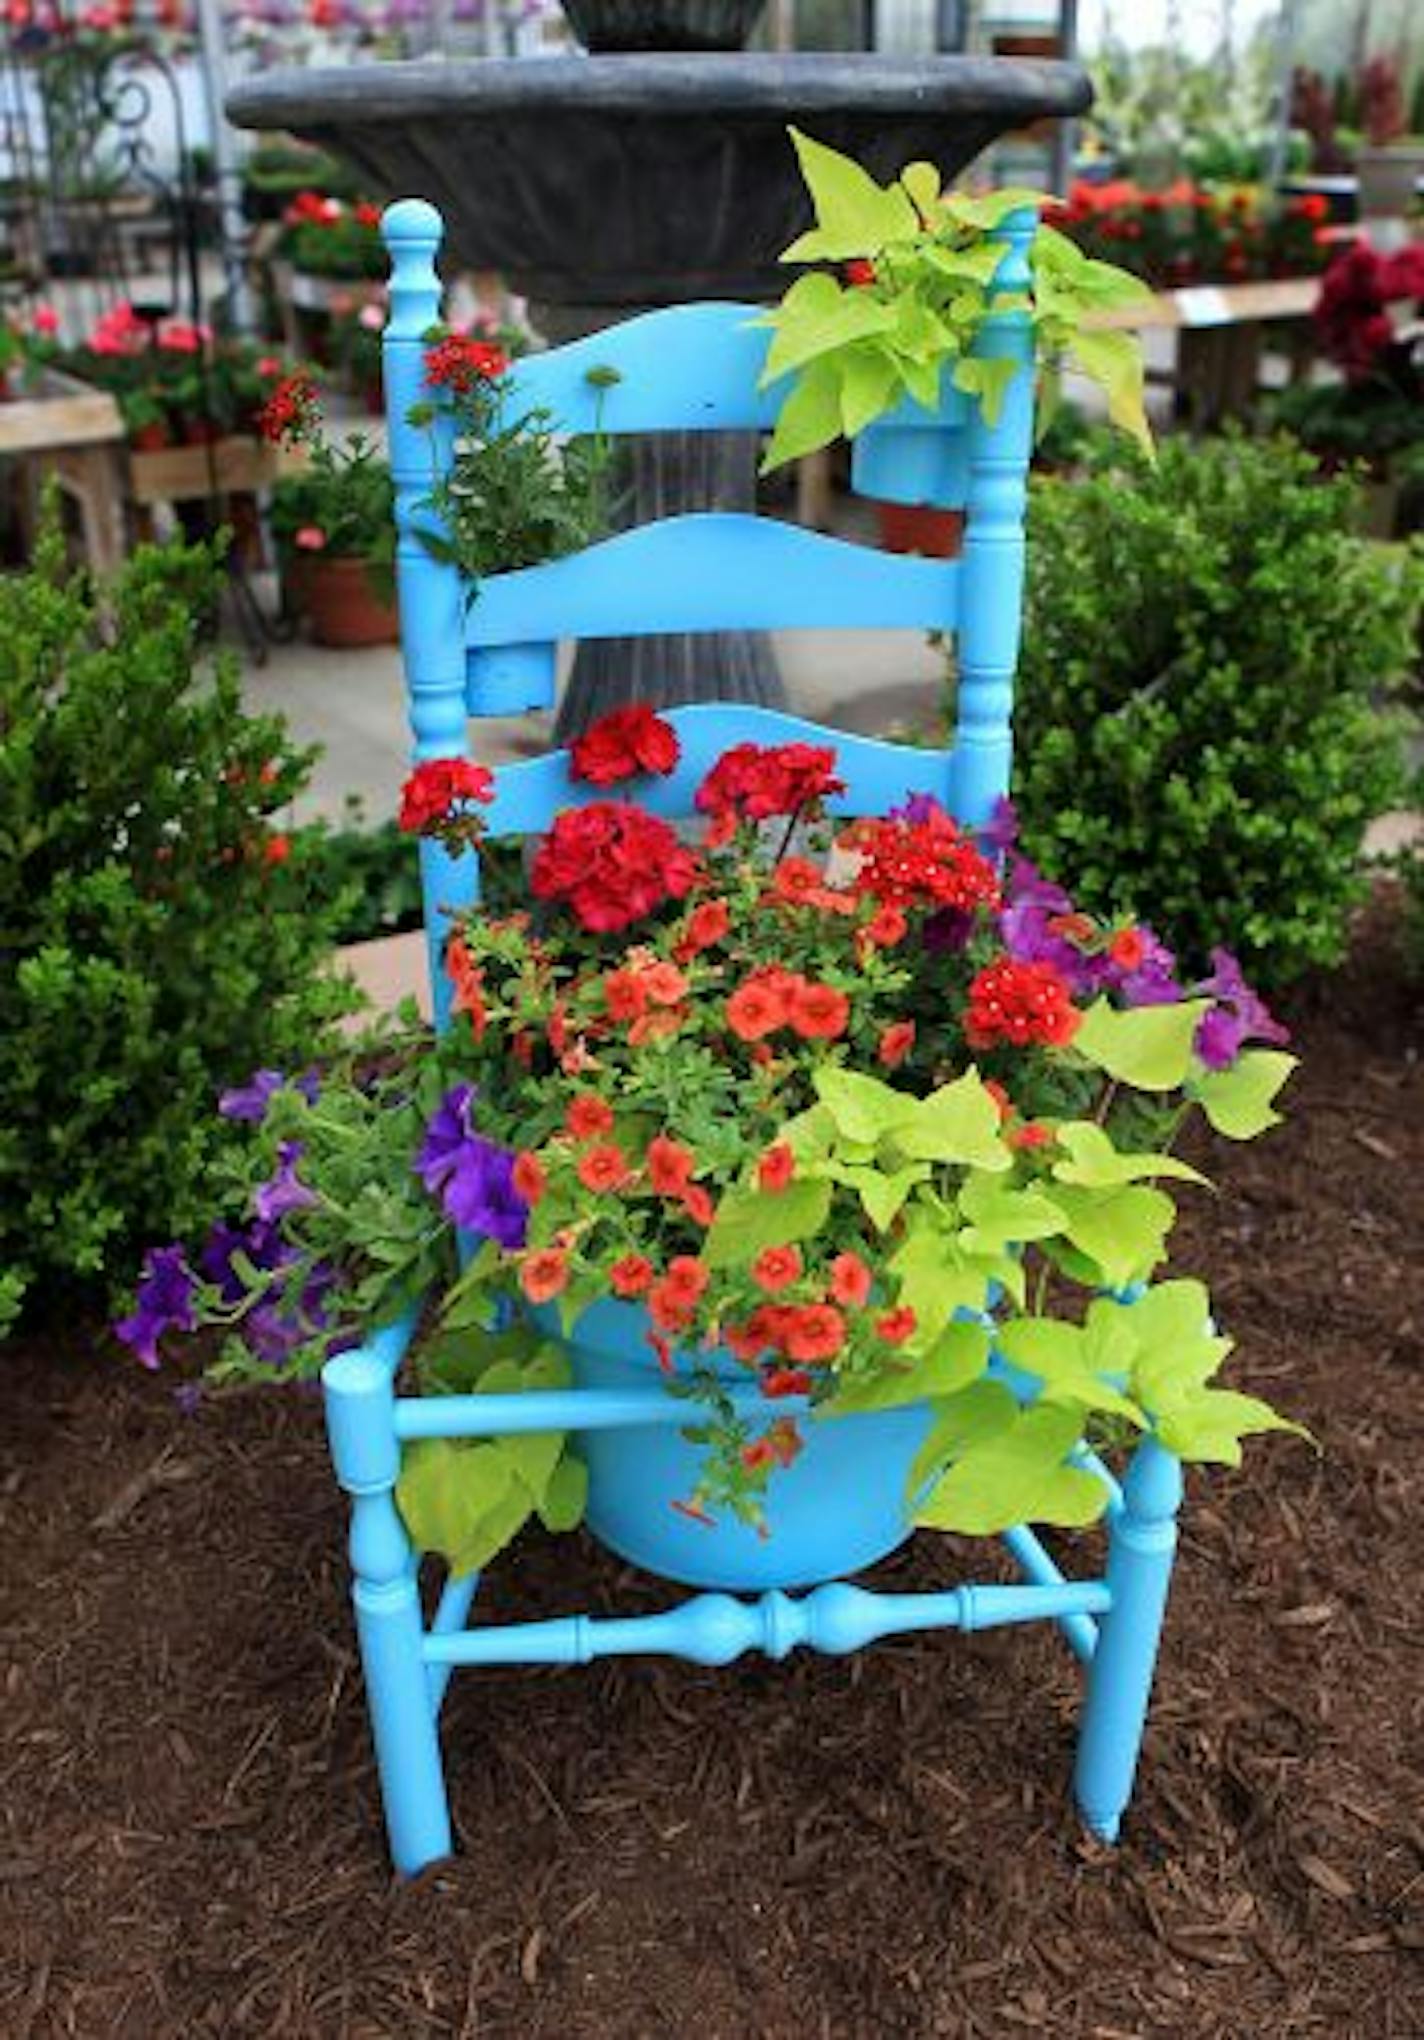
x,y
157,933
1203,725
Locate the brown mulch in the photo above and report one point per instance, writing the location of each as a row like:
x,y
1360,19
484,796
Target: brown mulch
x,y
874,1846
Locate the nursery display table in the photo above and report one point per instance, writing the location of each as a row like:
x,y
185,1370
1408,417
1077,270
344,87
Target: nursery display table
x,y
65,430
1221,331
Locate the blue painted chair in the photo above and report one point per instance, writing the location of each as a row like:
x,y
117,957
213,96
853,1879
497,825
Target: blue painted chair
x,y
689,367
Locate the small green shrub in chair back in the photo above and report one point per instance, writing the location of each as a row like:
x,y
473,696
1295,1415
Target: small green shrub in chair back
x,y
1207,652
158,938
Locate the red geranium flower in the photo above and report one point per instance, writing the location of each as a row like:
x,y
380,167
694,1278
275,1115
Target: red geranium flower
x,y
927,863
623,743
612,865
437,790
752,782
461,363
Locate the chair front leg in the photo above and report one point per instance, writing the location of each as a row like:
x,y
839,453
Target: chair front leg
x,y
1141,1548
404,1725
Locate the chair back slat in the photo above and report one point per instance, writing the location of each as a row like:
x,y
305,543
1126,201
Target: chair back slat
x,y
697,572
687,368
878,775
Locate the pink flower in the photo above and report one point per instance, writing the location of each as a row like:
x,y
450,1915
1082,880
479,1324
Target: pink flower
x,y
46,319
310,538
372,317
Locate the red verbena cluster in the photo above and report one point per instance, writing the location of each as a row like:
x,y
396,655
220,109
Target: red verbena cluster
x,y
622,744
291,414
1019,1004
752,782
928,863
612,865
460,363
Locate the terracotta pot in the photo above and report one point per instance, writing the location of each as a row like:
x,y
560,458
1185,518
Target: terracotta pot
x,y
340,603
921,528
149,438
201,432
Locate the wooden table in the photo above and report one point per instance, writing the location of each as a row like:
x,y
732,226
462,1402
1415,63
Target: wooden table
x,y
65,431
1221,332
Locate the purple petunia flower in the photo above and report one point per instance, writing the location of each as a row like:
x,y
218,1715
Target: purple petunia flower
x,y
474,1177
446,1132
1001,832
1152,981
282,1192
249,1101
917,809
163,1303
1239,1016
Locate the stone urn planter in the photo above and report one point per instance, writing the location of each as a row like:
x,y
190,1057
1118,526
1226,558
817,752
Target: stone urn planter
x,y
608,27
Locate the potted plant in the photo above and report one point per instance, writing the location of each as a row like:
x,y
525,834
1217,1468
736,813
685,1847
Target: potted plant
x,y
329,237
1390,162
333,524
880,343
1367,320
861,1116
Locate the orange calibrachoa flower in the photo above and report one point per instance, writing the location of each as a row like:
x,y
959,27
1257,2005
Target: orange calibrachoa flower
x,y
777,1268
624,994
670,1165
895,1043
708,922
604,1167
819,1012
815,1332
544,1274
631,1276
757,1008
776,1167
698,1205
895,1326
588,1116
530,1179
850,1279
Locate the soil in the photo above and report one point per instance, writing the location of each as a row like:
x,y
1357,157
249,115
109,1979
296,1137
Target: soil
x,y
875,1846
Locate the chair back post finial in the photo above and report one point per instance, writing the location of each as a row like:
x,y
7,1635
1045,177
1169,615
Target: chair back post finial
x,y
993,559
431,594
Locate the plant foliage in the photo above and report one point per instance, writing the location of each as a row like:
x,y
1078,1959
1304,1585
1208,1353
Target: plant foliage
x,y
156,932
1206,649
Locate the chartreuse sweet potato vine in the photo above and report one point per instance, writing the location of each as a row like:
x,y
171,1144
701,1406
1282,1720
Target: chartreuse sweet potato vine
x,y
917,267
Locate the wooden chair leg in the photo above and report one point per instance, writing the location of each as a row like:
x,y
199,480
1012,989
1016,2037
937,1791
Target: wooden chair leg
x,y
1142,1544
360,1408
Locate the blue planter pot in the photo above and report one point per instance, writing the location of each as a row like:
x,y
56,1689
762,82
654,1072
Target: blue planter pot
x,y
841,1506
909,457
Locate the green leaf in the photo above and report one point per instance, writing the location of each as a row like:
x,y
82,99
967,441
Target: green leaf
x,y
1210,1423
986,377
1069,1362
1121,1231
809,418
462,1501
749,1220
1095,1162
937,1277
1017,1476
922,182
855,215
1001,1216
881,1194
957,1123
1114,362
566,1495
815,317
869,385
972,1414
862,1108
957,1357
1149,1046
1239,1101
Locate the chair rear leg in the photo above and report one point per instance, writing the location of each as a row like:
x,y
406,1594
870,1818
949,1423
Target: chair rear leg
x,y
1142,1544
